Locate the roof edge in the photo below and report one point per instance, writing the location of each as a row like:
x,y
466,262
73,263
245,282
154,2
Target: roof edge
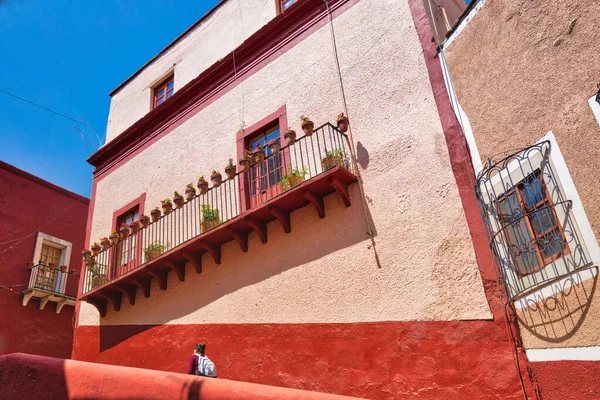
x,y
43,182
169,46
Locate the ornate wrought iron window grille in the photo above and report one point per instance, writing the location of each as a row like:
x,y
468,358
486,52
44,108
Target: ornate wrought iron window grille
x,y
529,223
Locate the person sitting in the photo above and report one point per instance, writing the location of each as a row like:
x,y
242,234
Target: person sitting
x,y
200,364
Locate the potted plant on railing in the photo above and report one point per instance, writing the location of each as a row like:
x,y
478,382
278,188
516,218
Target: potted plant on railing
x,y
210,218
123,231
87,254
144,221
293,178
259,154
95,249
275,146
307,125
246,161
202,185
98,277
167,206
52,266
155,214
334,157
216,178
154,250
342,123
104,243
290,136
30,265
190,192
114,237
63,268
74,272
230,169
134,226
178,200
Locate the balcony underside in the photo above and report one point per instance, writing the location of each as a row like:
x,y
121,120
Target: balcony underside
x,y
46,296
279,208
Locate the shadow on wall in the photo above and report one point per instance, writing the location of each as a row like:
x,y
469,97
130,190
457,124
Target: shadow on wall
x,y
558,317
311,239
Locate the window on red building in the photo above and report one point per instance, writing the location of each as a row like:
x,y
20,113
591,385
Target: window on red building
x,y
266,177
126,251
163,91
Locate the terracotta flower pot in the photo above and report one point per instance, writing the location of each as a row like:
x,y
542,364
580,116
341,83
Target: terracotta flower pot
x,y
290,137
342,123
178,200
190,193
230,170
74,272
152,254
167,208
105,244
275,146
207,225
29,265
87,254
294,181
98,280
308,127
203,186
155,214
63,268
52,267
259,156
123,232
144,221
331,161
96,249
245,163
134,227
216,179
114,238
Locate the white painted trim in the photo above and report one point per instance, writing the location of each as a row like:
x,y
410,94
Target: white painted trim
x,y
65,258
464,23
565,353
462,117
570,192
595,107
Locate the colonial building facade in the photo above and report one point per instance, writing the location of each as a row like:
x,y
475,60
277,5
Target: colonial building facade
x,y
345,254
42,228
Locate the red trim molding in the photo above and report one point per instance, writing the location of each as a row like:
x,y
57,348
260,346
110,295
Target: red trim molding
x,y
274,39
140,201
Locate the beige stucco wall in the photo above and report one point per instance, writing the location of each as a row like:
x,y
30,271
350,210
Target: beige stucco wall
x,y
520,69
323,271
210,41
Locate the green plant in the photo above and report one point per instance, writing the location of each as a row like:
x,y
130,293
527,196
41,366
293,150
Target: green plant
x,y
214,172
209,214
336,153
114,232
201,179
260,147
156,246
176,194
230,162
305,118
287,180
166,201
190,186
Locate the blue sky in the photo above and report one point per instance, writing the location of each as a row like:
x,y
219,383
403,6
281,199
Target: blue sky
x,y
67,56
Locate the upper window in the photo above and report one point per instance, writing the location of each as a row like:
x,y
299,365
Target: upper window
x,y
533,231
127,249
283,5
266,177
163,91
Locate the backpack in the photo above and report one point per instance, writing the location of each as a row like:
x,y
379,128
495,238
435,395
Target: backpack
x,y
206,367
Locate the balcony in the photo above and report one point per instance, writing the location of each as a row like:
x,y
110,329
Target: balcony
x,y
290,177
49,283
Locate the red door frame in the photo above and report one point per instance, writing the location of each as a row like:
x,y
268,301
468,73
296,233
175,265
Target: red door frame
x,y
243,138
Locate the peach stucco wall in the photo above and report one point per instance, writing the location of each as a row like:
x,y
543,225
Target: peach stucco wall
x,y
211,40
520,69
323,271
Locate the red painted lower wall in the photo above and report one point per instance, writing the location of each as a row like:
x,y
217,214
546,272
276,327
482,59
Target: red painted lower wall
x,y
423,360
560,380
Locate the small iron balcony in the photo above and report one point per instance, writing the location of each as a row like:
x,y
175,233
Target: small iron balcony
x,y
51,283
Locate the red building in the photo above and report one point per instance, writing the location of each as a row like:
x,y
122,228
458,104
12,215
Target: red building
x,y
42,228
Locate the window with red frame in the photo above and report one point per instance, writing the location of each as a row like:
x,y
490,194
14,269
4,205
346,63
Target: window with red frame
x,y
126,252
163,91
285,4
266,177
533,231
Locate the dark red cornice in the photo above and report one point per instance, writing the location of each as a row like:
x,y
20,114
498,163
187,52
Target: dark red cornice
x,y
276,34
40,181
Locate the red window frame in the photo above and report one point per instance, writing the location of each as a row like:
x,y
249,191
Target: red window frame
x,y
117,268
546,202
280,5
157,97
243,140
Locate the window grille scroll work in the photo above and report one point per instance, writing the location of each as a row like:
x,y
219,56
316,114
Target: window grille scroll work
x,y
529,222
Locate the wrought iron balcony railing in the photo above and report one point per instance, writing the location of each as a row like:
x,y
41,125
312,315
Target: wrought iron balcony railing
x,y
264,186
51,283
